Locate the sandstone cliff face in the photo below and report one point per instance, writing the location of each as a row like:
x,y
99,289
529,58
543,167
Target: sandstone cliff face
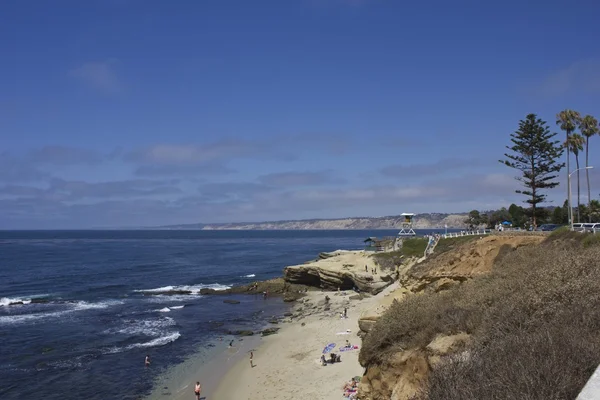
x,y
406,370
344,270
422,221
445,270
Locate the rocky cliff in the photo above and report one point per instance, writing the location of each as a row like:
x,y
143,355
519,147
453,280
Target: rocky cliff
x,y
422,221
342,270
399,371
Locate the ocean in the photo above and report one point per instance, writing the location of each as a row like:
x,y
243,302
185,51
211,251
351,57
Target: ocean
x,y
84,328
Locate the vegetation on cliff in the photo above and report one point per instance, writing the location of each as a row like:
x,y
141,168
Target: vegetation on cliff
x,y
533,325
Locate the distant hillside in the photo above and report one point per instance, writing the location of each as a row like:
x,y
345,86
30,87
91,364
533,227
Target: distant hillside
x,y
422,221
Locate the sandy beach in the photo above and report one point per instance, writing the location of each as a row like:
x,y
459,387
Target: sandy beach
x,y
287,365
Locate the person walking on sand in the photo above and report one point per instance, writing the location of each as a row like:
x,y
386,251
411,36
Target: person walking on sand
x,y
345,312
197,390
147,361
251,357
366,269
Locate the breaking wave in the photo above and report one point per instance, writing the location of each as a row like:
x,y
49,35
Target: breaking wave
x,y
194,289
71,308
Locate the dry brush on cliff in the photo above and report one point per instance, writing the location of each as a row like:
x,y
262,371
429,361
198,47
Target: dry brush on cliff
x,y
533,325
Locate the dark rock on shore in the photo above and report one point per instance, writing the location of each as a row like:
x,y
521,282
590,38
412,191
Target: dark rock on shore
x,y
167,293
242,333
229,301
270,331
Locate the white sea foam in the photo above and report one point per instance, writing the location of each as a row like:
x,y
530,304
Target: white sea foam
x,y
177,307
5,301
166,309
249,276
160,341
148,327
70,308
194,289
161,299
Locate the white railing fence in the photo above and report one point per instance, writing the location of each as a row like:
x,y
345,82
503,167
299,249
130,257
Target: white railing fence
x,y
467,233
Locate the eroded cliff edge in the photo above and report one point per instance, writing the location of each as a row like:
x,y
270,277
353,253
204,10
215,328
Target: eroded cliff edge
x,y
517,318
426,321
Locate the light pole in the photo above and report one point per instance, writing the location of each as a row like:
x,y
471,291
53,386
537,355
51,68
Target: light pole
x,y
570,205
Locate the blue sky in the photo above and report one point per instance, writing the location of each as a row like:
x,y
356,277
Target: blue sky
x,y
147,112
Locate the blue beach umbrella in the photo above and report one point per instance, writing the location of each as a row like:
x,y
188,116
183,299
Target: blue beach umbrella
x,y
328,348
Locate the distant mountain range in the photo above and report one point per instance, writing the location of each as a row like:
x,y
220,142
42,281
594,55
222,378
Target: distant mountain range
x,y
421,221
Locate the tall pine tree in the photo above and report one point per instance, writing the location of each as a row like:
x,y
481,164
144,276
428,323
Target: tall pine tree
x,y
536,155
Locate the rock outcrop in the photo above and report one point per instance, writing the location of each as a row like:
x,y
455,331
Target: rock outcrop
x,y
344,270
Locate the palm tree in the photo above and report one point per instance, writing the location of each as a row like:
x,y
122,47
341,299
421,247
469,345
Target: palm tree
x,y
588,127
568,119
575,145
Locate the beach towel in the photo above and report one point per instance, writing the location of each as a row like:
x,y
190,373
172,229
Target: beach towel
x,y
349,348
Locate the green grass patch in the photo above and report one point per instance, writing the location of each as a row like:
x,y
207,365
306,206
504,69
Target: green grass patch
x,y
450,243
414,247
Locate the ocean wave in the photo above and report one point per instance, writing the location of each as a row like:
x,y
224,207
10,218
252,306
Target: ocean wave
x,y
177,298
147,327
194,289
159,341
177,307
166,309
72,307
6,301
249,276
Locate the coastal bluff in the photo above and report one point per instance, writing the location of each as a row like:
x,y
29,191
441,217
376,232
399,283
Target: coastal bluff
x,y
344,270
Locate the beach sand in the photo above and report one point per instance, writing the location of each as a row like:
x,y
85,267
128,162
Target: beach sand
x,y
287,365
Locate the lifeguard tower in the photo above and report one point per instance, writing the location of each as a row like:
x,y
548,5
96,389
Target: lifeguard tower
x,y
407,225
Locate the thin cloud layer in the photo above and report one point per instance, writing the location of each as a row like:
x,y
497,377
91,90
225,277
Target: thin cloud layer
x,y
62,155
579,77
428,169
291,178
99,75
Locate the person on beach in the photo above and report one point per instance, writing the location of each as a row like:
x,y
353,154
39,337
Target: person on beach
x,y
345,312
147,361
366,269
197,390
231,343
251,357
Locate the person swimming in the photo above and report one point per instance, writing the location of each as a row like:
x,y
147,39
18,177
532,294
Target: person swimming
x,y
147,361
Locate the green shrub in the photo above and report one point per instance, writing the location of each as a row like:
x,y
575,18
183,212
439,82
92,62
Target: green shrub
x,y
591,239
